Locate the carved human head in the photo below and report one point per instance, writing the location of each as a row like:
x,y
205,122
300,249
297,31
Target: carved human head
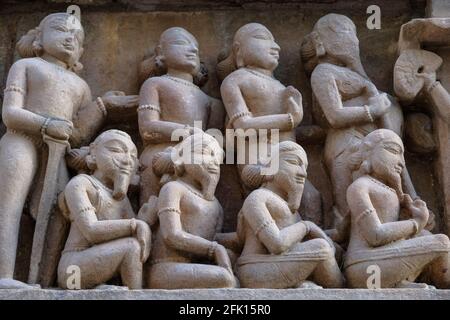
x,y
178,50
59,35
113,156
334,40
380,154
290,176
198,156
253,46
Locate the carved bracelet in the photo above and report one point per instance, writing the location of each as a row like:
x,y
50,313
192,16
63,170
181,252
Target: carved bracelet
x,y
369,115
212,249
133,226
169,209
291,121
238,115
415,227
149,107
45,125
101,106
15,89
86,209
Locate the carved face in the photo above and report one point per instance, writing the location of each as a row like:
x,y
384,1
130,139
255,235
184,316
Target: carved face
x,y
62,37
255,46
291,176
180,50
337,34
205,168
116,159
388,162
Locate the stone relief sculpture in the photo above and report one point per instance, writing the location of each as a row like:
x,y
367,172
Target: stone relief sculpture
x,y
254,99
189,218
46,106
349,104
105,239
280,250
402,249
171,99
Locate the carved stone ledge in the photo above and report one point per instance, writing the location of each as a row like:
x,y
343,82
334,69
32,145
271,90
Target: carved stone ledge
x,y
228,294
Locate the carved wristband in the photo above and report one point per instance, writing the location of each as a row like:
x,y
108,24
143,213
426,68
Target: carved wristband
x,y
15,89
101,106
291,122
149,107
415,227
369,115
212,249
45,125
133,226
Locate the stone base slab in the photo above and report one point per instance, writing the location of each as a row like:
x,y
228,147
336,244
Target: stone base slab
x,y
228,294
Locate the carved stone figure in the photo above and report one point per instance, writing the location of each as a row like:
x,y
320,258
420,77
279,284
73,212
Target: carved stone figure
x,y
347,102
401,248
254,99
280,250
171,99
46,106
189,218
105,239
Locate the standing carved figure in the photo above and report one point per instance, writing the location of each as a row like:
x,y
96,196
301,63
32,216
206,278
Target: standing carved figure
x,y
401,248
190,216
171,99
254,99
280,250
45,104
105,239
347,102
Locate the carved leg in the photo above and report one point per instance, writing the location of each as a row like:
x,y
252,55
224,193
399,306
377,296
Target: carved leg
x,y
395,270
172,275
100,263
291,273
18,165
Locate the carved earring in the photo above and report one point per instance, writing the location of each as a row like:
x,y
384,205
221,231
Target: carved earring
x,y
238,56
91,162
318,44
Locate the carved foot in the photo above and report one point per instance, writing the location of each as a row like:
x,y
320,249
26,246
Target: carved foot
x,y
7,283
308,285
414,285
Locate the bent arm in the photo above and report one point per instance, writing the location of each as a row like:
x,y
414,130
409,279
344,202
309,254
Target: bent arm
x,y
83,214
88,119
261,222
151,127
441,100
374,232
326,92
14,114
241,118
171,227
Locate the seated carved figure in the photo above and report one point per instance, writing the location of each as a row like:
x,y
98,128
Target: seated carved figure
x,y
105,239
189,218
402,249
280,250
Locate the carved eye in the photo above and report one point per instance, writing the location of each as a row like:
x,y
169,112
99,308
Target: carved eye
x,y
261,37
292,161
179,42
114,149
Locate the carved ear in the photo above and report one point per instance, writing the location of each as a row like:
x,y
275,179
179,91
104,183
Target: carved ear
x,y
238,55
318,45
90,162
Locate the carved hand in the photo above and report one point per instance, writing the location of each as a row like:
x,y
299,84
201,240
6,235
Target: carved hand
x,y
222,259
418,210
379,105
118,100
293,99
59,129
143,235
428,79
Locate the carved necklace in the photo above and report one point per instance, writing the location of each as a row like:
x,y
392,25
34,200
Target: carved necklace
x,y
261,75
182,81
191,189
382,184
